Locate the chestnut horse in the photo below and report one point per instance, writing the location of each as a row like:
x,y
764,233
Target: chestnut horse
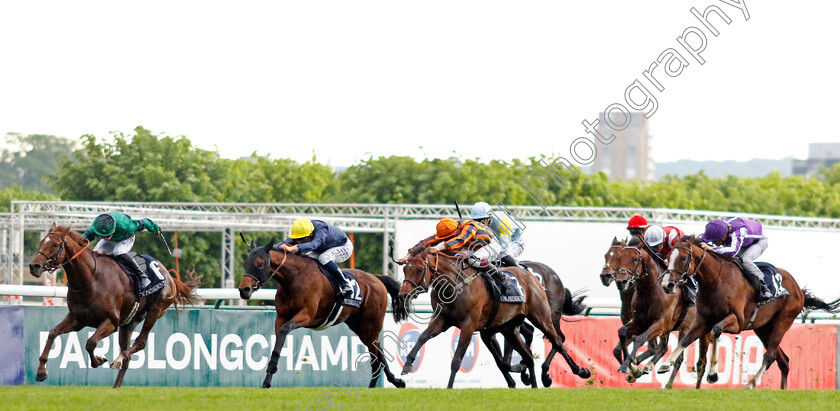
x,y
654,314
726,302
101,296
305,298
470,307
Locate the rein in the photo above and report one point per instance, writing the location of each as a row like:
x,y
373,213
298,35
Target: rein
x,y
684,274
50,265
273,273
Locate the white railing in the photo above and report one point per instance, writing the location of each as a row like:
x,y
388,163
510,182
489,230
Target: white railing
x,y
595,306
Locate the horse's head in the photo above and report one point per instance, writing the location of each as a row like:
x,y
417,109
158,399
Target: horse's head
x,y
629,265
608,272
53,251
417,275
680,265
257,269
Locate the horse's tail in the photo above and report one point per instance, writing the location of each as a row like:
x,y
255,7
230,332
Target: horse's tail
x,y
186,290
574,302
397,303
814,303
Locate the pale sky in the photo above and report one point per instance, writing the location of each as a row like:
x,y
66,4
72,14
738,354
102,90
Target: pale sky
x,y
347,79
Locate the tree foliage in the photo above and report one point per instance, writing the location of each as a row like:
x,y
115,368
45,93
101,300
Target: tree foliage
x,y
29,158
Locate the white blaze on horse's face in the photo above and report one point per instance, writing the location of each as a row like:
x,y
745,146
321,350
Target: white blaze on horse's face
x,y
666,279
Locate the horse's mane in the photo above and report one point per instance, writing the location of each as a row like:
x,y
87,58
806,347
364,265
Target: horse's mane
x,y
634,241
419,250
697,241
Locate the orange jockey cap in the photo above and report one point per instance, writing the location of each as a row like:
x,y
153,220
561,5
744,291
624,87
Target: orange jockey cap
x,y
446,228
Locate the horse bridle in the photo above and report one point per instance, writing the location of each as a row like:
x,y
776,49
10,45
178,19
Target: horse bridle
x,y
684,274
50,265
267,269
422,286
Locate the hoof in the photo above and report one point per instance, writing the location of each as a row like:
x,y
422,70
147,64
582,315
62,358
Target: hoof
x,y
266,385
99,361
630,378
669,386
41,376
584,373
399,383
663,369
407,369
749,386
546,380
622,369
712,378
517,368
117,364
526,377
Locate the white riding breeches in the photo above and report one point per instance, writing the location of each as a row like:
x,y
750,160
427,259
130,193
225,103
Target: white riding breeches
x,y
114,248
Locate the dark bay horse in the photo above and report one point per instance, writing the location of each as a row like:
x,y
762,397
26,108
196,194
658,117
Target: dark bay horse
x,y
305,298
654,314
726,302
562,302
461,302
626,290
101,296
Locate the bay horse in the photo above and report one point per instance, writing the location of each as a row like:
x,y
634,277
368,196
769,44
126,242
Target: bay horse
x,y
562,302
101,296
608,275
654,314
726,302
305,298
472,308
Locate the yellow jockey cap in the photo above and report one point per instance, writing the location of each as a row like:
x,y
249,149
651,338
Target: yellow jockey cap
x,y
302,228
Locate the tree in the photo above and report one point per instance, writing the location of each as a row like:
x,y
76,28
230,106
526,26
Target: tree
x,y
35,156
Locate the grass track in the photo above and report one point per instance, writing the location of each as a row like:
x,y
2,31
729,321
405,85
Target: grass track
x,y
171,398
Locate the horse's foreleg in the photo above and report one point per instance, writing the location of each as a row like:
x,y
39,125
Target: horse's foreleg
x,y
701,359
467,329
697,330
640,340
495,351
140,342
551,335
729,324
656,353
282,329
125,340
105,329
712,375
524,352
66,325
437,326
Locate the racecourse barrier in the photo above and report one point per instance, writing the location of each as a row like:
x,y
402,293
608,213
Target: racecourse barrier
x,y
230,347
193,347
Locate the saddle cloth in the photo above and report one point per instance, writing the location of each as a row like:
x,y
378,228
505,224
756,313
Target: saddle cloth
x,y
354,299
152,268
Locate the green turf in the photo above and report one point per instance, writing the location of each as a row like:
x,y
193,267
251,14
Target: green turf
x,y
169,398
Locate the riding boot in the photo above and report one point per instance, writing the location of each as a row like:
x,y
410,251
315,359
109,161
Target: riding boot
x,y
129,262
344,288
501,277
759,287
482,264
508,261
689,292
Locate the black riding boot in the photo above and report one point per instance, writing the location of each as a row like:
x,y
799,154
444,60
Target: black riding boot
x,y
508,261
762,292
129,262
689,292
344,289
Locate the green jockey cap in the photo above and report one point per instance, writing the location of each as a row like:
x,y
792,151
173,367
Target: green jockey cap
x,y
104,225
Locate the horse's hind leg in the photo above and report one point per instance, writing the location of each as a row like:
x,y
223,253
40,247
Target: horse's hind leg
x,y
495,351
771,335
125,339
552,336
105,329
701,359
712,375
66,325
783,362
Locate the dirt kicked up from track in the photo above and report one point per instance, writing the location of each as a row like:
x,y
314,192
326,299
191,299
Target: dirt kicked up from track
x,y
170,398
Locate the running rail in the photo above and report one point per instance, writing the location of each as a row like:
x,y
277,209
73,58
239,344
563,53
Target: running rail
x,y
594,306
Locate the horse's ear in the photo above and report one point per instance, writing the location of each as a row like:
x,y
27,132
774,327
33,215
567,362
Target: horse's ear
x,y
251,246
52,227
269,245
615,241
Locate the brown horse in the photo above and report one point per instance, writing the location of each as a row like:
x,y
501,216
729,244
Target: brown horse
x,y
562,302
654,314
625,291
99,295
305,299
470,307
726,302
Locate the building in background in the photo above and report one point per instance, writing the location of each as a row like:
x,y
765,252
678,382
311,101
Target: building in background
x,y
629,156
819,155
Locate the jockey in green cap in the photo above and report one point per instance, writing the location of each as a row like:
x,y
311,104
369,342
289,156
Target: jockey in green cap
x,y
117,233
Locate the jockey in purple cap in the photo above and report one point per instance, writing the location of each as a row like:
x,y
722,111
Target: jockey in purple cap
x,y
740,237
